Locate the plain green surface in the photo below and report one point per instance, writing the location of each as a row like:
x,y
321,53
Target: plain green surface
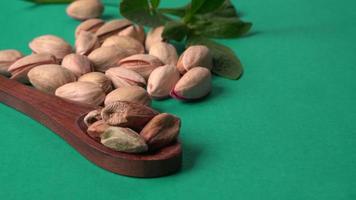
x,y
286,130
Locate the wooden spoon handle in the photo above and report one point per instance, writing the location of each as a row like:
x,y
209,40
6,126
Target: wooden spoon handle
x,y
38,104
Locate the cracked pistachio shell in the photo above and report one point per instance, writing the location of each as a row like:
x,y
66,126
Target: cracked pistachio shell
x,y
194,84
143,64
154,36
89,25
127,114
7,58
112,27
124,140
22,66
78,64
162,80
195,56
134,94
47,78
81,92
96,129
104,58
131,45
122,77
85,9
134,31
51,44
99,79
161,131
167,53
92,116
86,42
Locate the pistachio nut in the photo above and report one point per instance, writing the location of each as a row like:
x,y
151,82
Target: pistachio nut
x,y
131,45
167,53
112,27
134,94
92,116
105,57
86,42
47,78
50,44
89,25
162,80
20,68
195,56
97,128
161,131
134,31
122,77
124,140
194,84
143,64
85,9
99,79
154,36
7,58
127,114
78,64
81,92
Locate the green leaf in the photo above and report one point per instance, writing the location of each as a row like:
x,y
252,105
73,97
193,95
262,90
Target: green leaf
x,y
175,30
205,6
49,1
226,64
226,10
141,12
155,3
180,12
221,27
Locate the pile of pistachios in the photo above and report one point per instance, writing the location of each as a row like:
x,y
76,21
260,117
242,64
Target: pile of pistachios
x,y
116,66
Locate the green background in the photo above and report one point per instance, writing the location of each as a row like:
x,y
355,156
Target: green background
x,y
285,130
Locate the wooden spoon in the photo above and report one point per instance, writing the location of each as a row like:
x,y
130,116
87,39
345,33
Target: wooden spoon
x,y
66,119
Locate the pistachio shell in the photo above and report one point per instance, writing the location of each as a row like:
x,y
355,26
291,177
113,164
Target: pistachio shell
x,y
194,84
51,44
122,77
112,28
21,67
134,31
161,131
78,64
131,45
162,80
92,116
7,58
105,57
85,9
124,140
98,78
47,78
86,42
195,56
127,114
167,53
81,92
143,64
96,129
134,94
89,25
154,36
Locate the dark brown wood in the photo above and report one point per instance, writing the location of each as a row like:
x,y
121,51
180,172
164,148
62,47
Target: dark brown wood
x,y
66,119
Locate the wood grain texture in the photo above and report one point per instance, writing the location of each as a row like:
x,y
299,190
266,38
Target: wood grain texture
x,y
66,119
